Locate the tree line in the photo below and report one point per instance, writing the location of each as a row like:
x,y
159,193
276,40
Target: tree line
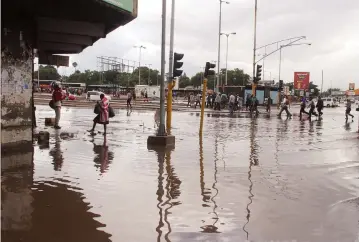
x,y
148,77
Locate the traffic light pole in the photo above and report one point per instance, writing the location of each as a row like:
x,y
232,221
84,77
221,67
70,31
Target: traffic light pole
x,y
170,70
162,129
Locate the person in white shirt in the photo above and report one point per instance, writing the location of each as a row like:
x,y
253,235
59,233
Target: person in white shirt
x,y
284,107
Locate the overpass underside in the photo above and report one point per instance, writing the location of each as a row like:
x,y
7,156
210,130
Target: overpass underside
x,y
49,27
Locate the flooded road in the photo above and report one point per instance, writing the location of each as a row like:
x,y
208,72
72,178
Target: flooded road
x,y
245,179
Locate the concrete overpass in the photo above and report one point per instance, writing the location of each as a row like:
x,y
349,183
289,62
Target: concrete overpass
x,y
51,27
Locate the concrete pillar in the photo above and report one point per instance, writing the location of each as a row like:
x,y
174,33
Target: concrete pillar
x,y
16,88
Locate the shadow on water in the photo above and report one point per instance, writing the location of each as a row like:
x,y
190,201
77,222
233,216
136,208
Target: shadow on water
x,y
253,161
44,211
168,187
103,157
209,228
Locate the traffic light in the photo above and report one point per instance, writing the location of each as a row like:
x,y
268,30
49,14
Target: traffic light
x,y
208,71
177,64
280,85
258,74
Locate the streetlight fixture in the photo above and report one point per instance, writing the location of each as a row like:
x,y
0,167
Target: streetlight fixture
x,y
219,41
227,35
280,54
139,63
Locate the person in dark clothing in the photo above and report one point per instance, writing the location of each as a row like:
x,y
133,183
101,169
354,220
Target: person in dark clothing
x,y
248,103
320,106
189,100
302,108
269,103
348,110
312,108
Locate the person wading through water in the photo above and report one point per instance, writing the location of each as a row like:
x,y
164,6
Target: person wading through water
x,y
285,105
57,97
312,108
302,108
348,110
320,106
103,116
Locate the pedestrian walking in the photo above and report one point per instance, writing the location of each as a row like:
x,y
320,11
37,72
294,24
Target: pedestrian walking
x,y
284,107
217,102
57,97
312,108
146,97
254,105
320,106
189,100
129,99
198,100
248,102
103,114
269,103
348,110
303,105
231,103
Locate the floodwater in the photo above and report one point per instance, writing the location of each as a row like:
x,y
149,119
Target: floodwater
x,y
246,179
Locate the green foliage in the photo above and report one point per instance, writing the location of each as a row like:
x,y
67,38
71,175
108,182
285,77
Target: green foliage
x,y
47,73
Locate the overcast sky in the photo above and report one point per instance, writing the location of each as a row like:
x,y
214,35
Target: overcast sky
x,y
331,26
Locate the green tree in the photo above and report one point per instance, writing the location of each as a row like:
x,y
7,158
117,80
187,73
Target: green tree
x,y
184,81
235,77
47,73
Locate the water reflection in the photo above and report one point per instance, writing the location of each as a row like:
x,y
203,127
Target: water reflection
x,y
209,228
56,153
49,210
253,161
103,157
171,190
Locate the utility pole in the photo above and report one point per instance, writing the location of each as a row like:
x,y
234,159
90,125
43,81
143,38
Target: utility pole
x,y
149,74
139,63
219,43
254,47
321,88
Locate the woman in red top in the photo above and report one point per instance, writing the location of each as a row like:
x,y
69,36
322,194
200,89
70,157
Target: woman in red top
x,y
103,117
57,97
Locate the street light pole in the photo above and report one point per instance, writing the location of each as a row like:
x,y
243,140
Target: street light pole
x,y
139,63
219,43
254,47
149,73
170,66
227,35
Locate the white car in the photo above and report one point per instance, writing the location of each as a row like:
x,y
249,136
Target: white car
x,y
330,102
95,96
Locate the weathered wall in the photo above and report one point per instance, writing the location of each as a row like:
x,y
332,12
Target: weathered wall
x,y
16,91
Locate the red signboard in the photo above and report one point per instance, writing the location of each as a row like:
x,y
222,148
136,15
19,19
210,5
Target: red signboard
x,y
301,80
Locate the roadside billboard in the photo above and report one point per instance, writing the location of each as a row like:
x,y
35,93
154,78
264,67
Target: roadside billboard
x,y
351,86
301,80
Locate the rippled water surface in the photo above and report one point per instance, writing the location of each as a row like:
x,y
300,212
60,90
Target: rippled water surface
x,y
246,179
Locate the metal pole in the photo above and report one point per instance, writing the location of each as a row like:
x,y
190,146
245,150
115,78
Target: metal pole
x,y
321,88
219,45
170,66
227,61
38,73
161,129
265,52
280,61
254,46
149,73
139,68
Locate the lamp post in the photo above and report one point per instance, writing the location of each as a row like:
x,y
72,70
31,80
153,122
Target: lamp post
x,y
280,54
219,41
227,35
149,73
139,63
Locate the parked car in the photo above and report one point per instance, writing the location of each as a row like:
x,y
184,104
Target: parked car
x,y
330,102
95,96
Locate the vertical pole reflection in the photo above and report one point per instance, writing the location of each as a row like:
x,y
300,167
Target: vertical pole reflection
x,y
253,161
160,192
171,190
211,228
